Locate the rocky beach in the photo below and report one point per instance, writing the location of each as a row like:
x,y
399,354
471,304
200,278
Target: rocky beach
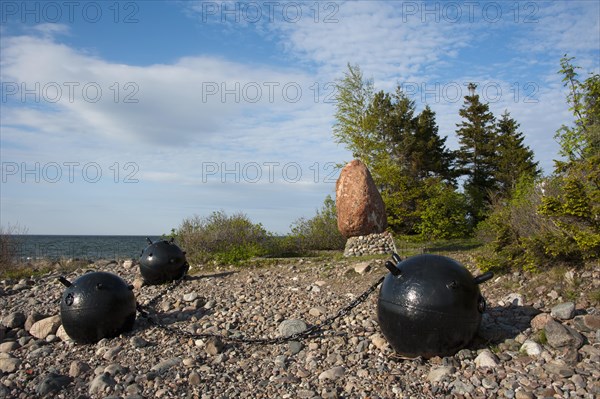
x,y
539,338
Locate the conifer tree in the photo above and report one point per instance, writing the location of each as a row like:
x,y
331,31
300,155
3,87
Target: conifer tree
x,y
515,159
477,156
432,158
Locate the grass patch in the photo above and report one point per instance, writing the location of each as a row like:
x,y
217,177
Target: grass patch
x,y
411,245
594,297
541,338
41,268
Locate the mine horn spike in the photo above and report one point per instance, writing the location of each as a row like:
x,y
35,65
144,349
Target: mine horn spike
x,y
64,281
149,240
483,277
392,268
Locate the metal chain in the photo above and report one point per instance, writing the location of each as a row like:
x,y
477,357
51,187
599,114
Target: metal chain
x,y
311,332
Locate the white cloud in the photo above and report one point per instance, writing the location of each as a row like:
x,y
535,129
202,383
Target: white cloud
x,y
169,134
50,30
564,26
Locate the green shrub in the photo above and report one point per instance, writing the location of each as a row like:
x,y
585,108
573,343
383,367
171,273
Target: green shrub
x,y
222,238
546,223
11,241
514,231
285,246
318,233
574,210
443,214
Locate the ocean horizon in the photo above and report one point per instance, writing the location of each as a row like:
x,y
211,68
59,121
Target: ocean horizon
x,y
93,247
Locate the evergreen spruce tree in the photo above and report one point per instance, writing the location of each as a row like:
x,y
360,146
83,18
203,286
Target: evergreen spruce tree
x,y
431,158
515,159
477,155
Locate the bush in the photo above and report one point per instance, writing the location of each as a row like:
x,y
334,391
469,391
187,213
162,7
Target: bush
x,y
11,241
221,238
318,233
512,231
443,214
573,211
543,224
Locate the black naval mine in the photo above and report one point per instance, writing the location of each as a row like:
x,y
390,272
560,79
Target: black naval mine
x,y
162,261
97,305
429,305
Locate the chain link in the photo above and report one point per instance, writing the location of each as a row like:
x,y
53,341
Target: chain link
x,y
310,332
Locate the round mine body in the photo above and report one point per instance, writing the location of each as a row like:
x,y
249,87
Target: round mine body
x,y
161,262
97,305
431,307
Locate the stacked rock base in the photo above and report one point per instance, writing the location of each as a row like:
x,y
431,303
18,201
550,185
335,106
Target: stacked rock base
x,y
372,244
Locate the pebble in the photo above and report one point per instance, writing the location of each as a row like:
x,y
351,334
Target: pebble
x,y
563,311
114,369
587,323
295,347
462,388
362,268
100,383
52,383
351,359
214,346
317,311
31,319
486,359
559,336
194,378
522,394
138,342
539,322
9,365
439,373
14,320
489,383
332,374
9,346
558,368
531,348
112,353
191,297
42,328
77,368
165,365
380,342
288,328
62,334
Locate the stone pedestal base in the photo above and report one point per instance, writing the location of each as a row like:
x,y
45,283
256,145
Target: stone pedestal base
x,y
372,244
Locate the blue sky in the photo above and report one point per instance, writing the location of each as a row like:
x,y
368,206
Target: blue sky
x,y
126,118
